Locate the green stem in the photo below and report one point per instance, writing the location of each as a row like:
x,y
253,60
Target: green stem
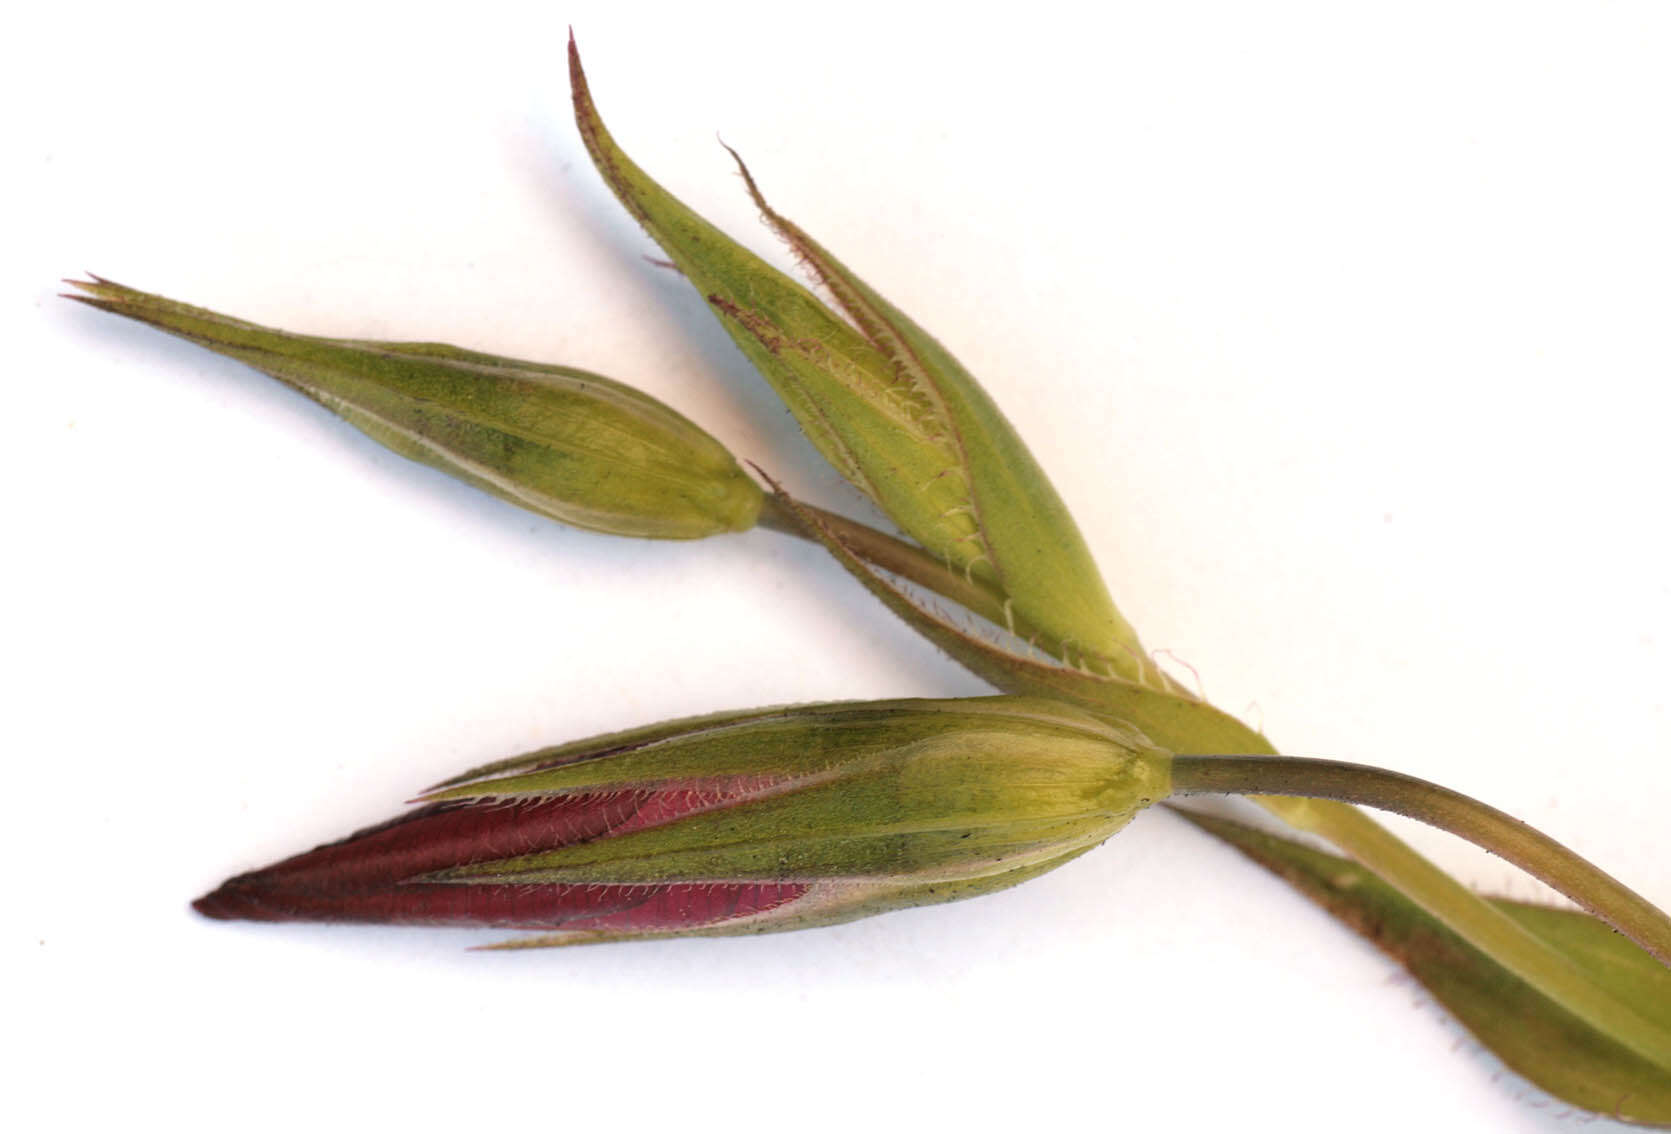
x,y
1483,825
1506,942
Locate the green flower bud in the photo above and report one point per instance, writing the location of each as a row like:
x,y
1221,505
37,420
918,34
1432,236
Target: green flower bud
x,y
754,822
892,410
564,443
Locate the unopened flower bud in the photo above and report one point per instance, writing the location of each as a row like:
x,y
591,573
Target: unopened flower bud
x,y
571,445
770,820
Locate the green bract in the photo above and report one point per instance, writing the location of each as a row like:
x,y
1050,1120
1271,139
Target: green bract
x,y
570,445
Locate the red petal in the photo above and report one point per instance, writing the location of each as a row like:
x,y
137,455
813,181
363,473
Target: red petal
x,y
365,877
452,834
686,905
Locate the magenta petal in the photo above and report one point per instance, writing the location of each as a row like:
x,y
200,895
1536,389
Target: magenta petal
x,y
254,897
451,834
445,835
369,876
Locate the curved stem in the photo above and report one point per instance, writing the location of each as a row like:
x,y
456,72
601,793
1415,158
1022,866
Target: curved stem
x,y
1485,826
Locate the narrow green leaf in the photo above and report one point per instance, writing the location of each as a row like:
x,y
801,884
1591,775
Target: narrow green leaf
x,y
891,409
1544,1043
567,444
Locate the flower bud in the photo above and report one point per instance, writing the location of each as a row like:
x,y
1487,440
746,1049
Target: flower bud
x,y
754,822
565,443
891,409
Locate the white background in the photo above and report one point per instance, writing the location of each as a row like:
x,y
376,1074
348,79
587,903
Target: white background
x,y
1343,333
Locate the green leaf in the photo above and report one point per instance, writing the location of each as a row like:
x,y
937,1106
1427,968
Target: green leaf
x,y
891,409
1547,1045
567,444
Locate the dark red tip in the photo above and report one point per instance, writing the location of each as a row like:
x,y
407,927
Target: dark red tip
x,y
646,909
377,875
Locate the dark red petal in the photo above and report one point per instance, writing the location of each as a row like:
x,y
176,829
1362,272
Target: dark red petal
x,y
454,834
369,876
644,908
444,835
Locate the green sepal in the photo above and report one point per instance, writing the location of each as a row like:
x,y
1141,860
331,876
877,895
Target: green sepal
x,y
844,904
791,741
897,791
571,445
